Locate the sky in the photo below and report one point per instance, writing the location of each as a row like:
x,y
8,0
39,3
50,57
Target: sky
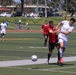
x,y
17,1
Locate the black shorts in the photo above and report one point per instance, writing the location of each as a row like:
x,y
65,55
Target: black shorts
x,y
45,35
3,34
53,45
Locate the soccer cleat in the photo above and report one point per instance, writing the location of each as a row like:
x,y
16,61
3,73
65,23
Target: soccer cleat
x,y
61,62
45,45
48,62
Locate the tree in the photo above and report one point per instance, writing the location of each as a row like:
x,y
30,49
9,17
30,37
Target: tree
x,y
70,6
6,2
22,6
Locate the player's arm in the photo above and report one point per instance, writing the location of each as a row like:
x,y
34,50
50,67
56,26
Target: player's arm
x,y
58,24
51,31
42,30
69,31
6,26
66,33
42,27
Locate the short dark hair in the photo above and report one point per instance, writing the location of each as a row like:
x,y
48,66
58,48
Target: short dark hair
x,y
50,22
72,19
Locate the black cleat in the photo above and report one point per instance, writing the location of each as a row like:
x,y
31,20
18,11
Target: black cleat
x,y
61,64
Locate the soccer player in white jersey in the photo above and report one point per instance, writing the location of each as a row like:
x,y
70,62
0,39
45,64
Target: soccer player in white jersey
x,y
3,27
65,30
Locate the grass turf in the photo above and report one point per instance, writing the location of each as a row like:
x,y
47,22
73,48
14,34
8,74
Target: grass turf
x,y
22,48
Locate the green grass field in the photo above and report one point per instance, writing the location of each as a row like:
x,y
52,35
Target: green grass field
x,y
33,22
43,69
22,45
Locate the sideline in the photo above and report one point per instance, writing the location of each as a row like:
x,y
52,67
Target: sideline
x,y
29,62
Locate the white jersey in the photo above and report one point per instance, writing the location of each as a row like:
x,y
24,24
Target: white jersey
x,y
66,27
3,27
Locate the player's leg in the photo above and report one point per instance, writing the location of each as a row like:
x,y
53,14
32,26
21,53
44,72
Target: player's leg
x,y
45,40
61,51
51,47
58,57
58,46
2,36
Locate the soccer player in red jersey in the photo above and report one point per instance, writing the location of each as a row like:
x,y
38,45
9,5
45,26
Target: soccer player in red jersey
x,y
45,32
53,38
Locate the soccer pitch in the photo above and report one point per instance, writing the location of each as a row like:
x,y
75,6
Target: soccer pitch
x,y
21,46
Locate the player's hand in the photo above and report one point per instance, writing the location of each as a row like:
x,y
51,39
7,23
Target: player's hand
x,y
56,27
41,31
58,31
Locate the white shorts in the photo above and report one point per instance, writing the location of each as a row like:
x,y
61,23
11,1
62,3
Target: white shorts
x,y
3,31
62,40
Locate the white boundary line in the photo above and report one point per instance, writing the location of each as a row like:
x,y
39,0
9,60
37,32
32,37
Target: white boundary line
x,y
29,62
59,71
51,69
37,47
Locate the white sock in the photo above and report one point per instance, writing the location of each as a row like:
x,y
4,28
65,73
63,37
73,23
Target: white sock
x,y
61,52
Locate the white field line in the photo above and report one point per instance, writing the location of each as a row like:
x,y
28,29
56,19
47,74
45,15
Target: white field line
x,y
59,70
62,71
21,39
29,62
37,47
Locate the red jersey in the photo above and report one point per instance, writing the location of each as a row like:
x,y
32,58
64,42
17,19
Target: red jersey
x,y
45,27
52,37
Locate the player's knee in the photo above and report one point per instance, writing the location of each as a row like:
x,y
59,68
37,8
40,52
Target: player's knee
x,y
62,47
50,52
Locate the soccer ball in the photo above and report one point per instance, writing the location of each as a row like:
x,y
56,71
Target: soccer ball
x,y
34,58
